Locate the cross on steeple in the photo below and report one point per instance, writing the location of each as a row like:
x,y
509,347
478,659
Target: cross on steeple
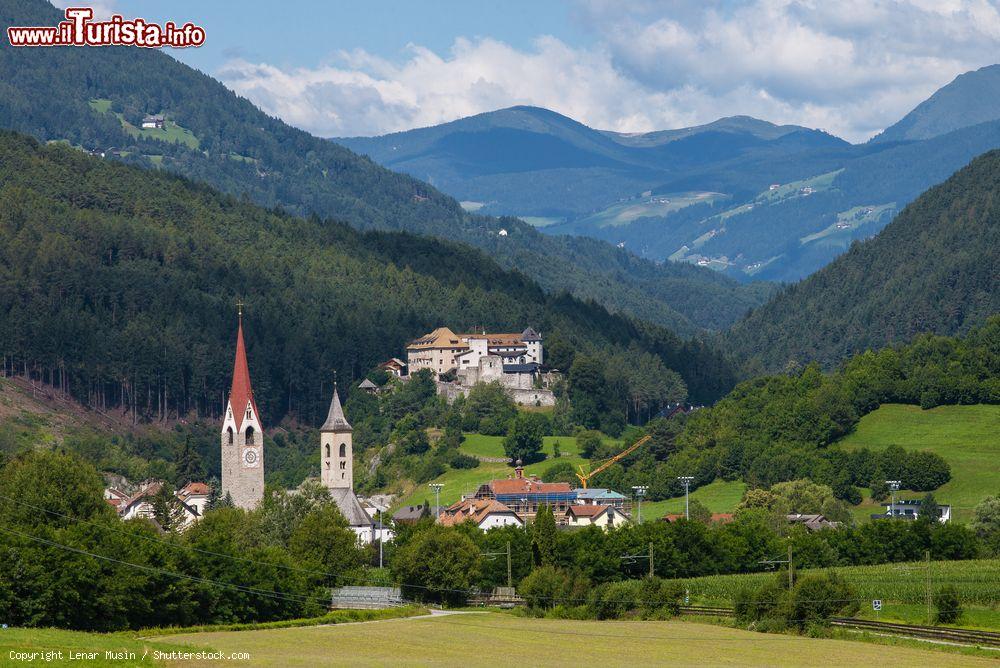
x,y
239,308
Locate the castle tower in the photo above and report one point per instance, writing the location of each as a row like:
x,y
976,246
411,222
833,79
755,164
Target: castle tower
x,y
336,448
242,436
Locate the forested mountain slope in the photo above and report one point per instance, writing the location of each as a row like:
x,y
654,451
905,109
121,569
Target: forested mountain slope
x,y
96,99
936,268
119,285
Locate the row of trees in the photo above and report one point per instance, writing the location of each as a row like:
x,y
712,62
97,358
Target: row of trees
x,y
440,563
66,560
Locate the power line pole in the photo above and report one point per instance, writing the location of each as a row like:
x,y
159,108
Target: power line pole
x,y
510,579
650,560
491,555
686,481
927,580
791,569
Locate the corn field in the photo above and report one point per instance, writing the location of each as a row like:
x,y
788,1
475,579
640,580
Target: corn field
x,y
977,582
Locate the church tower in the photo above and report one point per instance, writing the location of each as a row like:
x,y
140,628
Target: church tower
x,y
242,436
336,448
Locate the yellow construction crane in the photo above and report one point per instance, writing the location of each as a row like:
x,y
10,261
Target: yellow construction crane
x,y
585,476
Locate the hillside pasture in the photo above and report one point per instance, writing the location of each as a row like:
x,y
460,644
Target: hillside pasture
x,y
968,437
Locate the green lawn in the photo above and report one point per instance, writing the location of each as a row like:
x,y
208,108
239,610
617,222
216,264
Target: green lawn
x,y
968,437
479,445
54,640
719,497
100,105
461,640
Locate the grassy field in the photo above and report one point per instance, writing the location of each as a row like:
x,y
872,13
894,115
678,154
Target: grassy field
x,y
461,640
901,587
968,437
480,445
53,640
719,497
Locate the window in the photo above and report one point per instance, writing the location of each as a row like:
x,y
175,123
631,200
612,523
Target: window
x,y
343,449
249,413
229,435
327,450
343,466
249,435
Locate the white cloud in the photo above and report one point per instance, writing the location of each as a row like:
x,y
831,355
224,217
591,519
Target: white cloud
x,y
850,67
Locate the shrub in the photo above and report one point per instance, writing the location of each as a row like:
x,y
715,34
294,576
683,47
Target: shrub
x,y
947,605
648,598
463,461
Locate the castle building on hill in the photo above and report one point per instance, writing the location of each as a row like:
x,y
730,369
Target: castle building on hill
x,y
337,467
443,350
242,436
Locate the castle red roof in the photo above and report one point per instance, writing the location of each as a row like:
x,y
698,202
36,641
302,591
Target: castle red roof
x,y
241,391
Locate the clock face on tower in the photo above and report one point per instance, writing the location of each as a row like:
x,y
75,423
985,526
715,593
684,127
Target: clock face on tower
x,y
251,458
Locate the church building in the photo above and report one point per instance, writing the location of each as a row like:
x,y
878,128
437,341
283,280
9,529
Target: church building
x,y
337,467
242,436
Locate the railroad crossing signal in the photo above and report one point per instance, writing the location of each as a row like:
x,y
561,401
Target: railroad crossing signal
x,y
877,605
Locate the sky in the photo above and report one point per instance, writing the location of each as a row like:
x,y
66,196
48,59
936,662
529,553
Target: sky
x,y
347,68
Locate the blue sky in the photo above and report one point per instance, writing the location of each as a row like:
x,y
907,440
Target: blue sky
x,y
851,67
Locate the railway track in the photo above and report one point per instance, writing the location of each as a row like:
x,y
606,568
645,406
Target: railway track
x,y
939,633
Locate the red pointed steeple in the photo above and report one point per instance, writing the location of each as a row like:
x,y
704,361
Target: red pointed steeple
x,y
242,391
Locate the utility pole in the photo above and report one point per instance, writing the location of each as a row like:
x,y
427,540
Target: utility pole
x,y
491,555
791,569
927,580
686,481
436,486
893,488
631,558
771,563
381,537
510,579
640,491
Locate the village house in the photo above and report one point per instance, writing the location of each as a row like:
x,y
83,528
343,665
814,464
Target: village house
x,y
411,514
394,367
720,518
583,515
368,387
153,121
601,497
526,495
811,522
189,503
484,513
911,510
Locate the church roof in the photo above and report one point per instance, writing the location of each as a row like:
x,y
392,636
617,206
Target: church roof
x,y
350,507
335,420
241,391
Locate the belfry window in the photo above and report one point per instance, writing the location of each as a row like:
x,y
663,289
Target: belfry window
x,y
343,449
327,450
229,435
249,435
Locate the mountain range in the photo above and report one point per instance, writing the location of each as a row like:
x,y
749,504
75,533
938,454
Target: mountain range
x,y
743,196
935,268
95,99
